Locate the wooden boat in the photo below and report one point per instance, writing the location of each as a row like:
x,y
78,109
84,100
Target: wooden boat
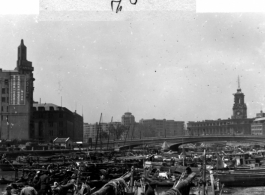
x,y
10,167
161,183
5,181
241,179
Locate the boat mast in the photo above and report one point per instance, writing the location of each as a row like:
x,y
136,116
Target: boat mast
x,y
109,133
204,173
98,132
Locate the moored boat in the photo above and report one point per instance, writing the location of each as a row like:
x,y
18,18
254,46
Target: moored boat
x,y
238,179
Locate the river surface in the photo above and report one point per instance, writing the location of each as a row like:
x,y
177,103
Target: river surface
x,y
227,191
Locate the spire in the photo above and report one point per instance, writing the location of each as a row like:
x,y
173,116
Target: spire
x,y
238,83
22,51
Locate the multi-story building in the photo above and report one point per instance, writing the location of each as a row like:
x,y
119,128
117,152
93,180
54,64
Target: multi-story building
x,y
239,124
258,125
16,91
91,131
164,128
127,119
51,121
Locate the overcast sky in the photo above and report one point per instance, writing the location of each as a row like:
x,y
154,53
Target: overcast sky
x,y
184,69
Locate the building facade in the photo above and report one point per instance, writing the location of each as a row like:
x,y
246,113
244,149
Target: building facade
x,y
127,119
17,99
92,130
239,124
258,125
165,128
52,121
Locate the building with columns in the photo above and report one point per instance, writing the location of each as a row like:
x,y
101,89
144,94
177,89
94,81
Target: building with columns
x,y
16,91
238,124
165,128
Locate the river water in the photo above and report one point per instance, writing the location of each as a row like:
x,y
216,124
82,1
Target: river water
x,y
227,191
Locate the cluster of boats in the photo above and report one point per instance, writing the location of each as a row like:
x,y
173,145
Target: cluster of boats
x,y
202,172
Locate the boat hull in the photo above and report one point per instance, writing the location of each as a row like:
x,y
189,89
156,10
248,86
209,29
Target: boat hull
x,y
8,167
241,180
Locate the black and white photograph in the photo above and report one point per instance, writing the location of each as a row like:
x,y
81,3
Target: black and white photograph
x,y
134,97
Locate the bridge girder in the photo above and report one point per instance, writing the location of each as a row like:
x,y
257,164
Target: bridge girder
x,y
177,141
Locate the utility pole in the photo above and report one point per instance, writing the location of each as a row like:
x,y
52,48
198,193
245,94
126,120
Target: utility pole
x,y
98,132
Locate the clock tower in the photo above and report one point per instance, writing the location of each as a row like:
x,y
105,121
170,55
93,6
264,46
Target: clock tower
x,y
239,107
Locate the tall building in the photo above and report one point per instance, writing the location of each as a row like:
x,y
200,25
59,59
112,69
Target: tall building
x,y
239,124
17,99
88,133
51,121
164,128
239,107
127,119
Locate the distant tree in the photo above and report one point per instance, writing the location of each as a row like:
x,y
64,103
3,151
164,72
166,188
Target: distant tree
x,y
104,135
118,131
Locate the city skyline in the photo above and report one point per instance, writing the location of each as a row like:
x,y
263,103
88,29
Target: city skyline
x,y
184,70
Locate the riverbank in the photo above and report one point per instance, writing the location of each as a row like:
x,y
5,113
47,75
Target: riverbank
x,y
14,154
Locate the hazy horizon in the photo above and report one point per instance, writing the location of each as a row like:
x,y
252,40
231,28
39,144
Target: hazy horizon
x,y
184,69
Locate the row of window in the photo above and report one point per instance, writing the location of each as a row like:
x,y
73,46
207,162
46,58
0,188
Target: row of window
x,y
256,131
60,124
51,132
50,115
210,124
256,127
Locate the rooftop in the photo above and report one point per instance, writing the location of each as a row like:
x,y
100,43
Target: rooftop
x,y
259,119
61,140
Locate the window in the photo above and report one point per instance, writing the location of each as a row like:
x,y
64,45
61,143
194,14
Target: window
x,y
3,90
41,109
61,115
51,124
2,108
6,81
3,99
50,115
60,132
60,124
7,108
7,90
